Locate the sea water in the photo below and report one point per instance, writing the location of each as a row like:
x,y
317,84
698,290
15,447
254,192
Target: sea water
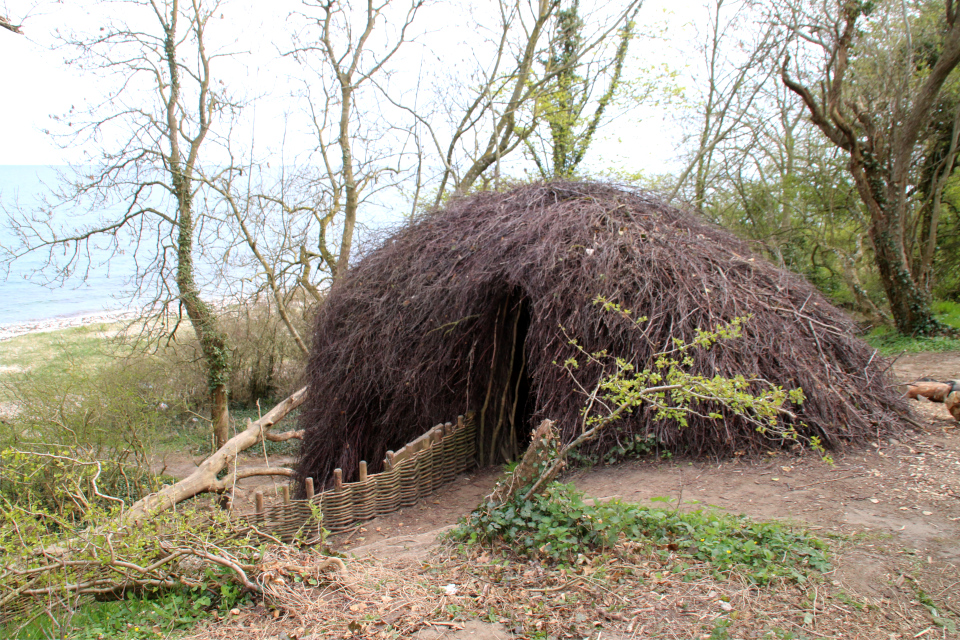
x,y
28,290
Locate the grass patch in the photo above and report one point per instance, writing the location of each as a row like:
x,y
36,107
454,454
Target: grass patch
x,y
144,616
49,374
948,312
56,354
558,526
890,343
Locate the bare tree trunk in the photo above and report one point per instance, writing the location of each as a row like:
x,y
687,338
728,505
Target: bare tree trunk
x,y
504,137
349,178
727,96
352,64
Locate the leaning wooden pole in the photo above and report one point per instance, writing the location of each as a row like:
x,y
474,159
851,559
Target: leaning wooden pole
x,y
544,445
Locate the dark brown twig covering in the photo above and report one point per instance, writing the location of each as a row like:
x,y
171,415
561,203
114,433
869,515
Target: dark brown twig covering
x,y
463,311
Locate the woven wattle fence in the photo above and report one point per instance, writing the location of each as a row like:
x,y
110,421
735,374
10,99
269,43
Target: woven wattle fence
x,y
415,471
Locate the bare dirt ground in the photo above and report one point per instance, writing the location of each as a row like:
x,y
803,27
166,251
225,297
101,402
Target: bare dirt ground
x,y
891,512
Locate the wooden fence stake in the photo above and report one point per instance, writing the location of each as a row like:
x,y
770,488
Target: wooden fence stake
x,y
363,471
338,479
258,498
308,487
286,493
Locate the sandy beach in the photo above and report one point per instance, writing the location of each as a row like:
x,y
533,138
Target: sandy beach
x,y
14,329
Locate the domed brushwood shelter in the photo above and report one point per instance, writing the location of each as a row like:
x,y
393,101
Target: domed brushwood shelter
x,y
473,308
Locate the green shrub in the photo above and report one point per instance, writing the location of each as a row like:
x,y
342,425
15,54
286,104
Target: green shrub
x,y
265,362
80,424
66,547
65,483
182,586
82,441
557,526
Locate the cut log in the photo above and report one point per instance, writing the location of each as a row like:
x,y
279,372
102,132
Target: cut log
x,y
946,392
953,404
931,389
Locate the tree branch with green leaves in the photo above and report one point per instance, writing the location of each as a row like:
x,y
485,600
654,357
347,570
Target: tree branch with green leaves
x,y
669,387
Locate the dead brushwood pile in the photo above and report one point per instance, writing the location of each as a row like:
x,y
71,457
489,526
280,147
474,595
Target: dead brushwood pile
x,y
473,307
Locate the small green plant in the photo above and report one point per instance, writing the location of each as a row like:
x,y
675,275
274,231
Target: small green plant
x,y
777,633
846,599
146,615
719,631
933,608
629,448
557,526
307,534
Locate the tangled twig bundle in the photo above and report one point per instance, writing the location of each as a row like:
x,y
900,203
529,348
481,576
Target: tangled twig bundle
x,y
468,308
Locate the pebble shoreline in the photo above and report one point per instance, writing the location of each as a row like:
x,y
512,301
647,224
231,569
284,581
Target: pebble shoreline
x,y
14,329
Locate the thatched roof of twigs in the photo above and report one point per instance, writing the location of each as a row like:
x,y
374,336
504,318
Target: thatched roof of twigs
x,y
463,311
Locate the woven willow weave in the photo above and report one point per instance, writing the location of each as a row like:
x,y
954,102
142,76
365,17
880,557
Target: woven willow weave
x,y
415,471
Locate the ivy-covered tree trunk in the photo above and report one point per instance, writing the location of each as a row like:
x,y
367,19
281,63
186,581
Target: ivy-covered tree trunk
x,y
909,302
565,102
181,165
882,146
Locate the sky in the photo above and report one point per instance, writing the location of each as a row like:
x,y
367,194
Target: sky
x,y
36,86
39,85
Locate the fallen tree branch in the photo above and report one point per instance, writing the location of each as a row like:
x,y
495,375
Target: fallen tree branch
x,y
283,437
204,479
250,472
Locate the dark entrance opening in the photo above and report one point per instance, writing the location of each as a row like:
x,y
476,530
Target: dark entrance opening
x,y
503,419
